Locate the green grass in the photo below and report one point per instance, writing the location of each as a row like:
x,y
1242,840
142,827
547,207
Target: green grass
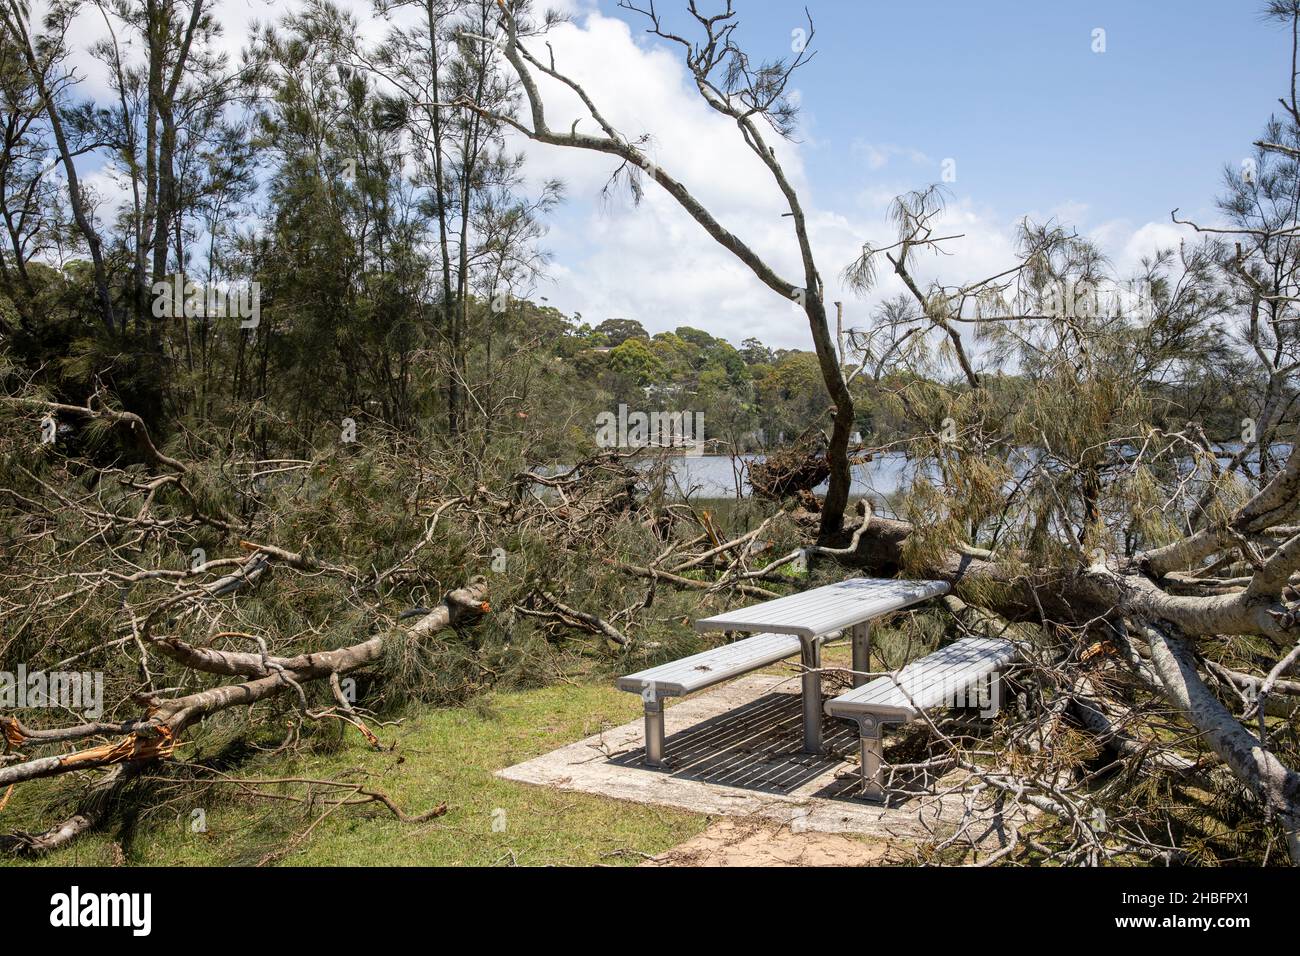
x,y
432,756
440,755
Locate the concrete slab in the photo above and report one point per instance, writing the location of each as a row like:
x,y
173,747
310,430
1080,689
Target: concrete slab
x,y
751,842
735,751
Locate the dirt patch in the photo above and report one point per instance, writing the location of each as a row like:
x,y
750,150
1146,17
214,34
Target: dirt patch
x,y
751,842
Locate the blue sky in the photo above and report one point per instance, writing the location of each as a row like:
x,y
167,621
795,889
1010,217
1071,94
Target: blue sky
x,y
1013,91
1036,123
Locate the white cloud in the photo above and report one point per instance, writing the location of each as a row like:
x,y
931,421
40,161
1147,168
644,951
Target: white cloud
x,y
235,18
652,262
655,264
1145,240
111,191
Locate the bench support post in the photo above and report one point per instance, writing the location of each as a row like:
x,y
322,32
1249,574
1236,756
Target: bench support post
x,y
873,759
654,732
810,655
861,652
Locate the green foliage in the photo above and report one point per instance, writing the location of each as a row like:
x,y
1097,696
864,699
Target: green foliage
x,y
437,756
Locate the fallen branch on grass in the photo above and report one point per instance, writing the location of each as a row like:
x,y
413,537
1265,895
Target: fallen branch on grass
x,y
155,736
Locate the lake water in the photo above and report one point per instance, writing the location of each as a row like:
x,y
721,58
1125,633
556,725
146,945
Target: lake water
x,y
720,476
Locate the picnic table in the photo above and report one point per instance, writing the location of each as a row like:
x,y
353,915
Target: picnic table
x,y
812,615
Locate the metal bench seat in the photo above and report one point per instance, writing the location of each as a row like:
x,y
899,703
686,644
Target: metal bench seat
x,y
698,671
944,678
685,676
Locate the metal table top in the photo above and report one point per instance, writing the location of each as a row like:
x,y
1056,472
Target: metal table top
x,y
824,609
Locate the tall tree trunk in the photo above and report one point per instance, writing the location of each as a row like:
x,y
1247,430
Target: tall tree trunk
x,y
837,454
14,16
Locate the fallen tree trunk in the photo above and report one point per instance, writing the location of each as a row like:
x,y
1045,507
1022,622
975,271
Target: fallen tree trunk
x,y
92,812
1277,785
1094,712
155,736
1109,590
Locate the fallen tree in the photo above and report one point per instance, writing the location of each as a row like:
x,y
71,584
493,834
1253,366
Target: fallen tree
x,y
1148,571
1059,494
111,571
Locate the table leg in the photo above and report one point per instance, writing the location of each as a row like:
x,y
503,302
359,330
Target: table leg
x,y
811,657
861,652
